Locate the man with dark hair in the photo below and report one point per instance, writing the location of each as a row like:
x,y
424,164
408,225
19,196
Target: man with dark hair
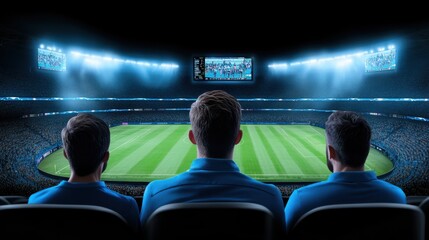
x,y
86,141
215,128
348,138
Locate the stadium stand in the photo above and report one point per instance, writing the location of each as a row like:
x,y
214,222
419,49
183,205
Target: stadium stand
x,y
55,221
397,138
369,221
210,220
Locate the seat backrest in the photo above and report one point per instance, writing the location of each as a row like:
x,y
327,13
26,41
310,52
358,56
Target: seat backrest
x,y
210,220
59,221
3,201
424,206
416,200
369,221
16,199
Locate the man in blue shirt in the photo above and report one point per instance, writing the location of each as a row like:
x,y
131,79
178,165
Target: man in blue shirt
x,y
348,138
86,141
215,128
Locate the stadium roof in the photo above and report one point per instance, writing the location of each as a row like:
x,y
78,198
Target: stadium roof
x,y
194,33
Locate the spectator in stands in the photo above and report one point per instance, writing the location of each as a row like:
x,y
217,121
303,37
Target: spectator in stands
x,y
86,141
215,129
348,138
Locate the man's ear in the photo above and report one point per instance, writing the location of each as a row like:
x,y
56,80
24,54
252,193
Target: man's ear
x,y
239,136
332,154
65,154
192,137
106,156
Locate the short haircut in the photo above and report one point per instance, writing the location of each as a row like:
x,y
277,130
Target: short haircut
x,y
350,135
215,120
86,140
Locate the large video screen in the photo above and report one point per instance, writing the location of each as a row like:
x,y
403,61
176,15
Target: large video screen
x,y
51,60
380,61
223,69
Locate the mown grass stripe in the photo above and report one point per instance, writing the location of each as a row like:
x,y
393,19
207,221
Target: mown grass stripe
x,y
293,156
123,153
279,149
248,163
262,156
301,139
315,137
187,160
268,143
121,137
315,157
297,155
140,157
172,158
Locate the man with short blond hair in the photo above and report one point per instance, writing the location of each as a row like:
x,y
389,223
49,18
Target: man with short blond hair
x,y
215,128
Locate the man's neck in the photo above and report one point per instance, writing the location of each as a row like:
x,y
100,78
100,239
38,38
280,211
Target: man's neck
x,y
229,157
348,169
87,178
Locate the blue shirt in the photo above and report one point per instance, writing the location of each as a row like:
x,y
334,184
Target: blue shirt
x,y
212,180
341,187
91,193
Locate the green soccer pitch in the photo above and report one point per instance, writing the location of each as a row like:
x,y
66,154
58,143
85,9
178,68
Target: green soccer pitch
x,y
270,153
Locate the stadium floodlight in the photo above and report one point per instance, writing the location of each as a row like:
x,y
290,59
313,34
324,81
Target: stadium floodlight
x,y
367,58
99,59
167,65
74,53
279,65
344,62
42,46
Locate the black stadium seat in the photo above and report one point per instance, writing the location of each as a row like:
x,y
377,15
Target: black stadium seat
x,y
15,199
424,205
416,200
3,201
369,221
55,221
210,220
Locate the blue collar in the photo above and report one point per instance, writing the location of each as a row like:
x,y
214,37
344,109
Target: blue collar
x,y
214,164
65,183
353,176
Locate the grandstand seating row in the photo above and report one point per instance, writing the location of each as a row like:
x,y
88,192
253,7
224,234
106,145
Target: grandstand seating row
x,y
216,220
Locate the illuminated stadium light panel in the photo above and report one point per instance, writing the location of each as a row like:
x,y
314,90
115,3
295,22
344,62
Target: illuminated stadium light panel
x,y
92,58
383,59
54,59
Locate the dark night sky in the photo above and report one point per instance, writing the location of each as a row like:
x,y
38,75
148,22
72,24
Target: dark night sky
x,y
190,33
